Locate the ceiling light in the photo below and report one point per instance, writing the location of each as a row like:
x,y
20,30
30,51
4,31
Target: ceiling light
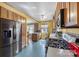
x,y
43,17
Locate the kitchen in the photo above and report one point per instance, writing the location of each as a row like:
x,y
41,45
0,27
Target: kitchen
x,y
61,31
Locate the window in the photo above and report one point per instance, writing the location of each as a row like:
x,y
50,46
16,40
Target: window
x,y
44,28
31,28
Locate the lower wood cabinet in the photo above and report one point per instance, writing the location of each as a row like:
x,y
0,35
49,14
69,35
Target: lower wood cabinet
x,y
34,37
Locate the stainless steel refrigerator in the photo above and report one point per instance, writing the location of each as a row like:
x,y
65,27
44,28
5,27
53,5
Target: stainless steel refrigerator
x,y
9,37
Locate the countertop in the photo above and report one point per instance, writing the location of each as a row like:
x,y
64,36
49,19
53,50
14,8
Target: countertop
x,y
55,52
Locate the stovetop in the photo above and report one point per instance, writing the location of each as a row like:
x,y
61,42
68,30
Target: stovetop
x,y
56,43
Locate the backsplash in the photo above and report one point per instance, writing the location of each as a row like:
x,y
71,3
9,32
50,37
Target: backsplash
x,y
71,30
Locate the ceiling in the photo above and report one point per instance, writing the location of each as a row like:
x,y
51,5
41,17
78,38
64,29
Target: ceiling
x,y
30,21
41,11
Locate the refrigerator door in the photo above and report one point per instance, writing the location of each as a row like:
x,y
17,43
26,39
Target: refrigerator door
x,y
13,50
14,32
5,52
20,40
1,52
7,31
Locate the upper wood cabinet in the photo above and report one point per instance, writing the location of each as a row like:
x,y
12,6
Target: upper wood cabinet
x,y
7,14
72,14
36,27
16,17
63,5
3,13
59,6
57,10
10,15
67,13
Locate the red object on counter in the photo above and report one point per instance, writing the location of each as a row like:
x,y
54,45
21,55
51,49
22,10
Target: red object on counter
x,y
75,48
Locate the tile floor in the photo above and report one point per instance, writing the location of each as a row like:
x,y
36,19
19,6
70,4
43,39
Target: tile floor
x,y
37,49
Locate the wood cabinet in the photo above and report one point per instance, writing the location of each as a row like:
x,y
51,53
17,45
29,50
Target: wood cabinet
x,y
72,14
10,15
34,37
16,17
66,13
3,13
7,14
63,5
60,5
36,27
24,34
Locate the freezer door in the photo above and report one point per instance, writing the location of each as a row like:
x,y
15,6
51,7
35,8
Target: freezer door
x,y
5,52
6,32
13,49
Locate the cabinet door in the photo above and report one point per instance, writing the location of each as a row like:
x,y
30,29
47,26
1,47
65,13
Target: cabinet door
x,y
71,17
10,15
23,35
63,5
35,27
23,32
4,13
73,14
67,14
60,5
15,16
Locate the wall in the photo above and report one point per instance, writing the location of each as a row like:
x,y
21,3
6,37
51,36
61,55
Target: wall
x,y
42,35
51,25
71,30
